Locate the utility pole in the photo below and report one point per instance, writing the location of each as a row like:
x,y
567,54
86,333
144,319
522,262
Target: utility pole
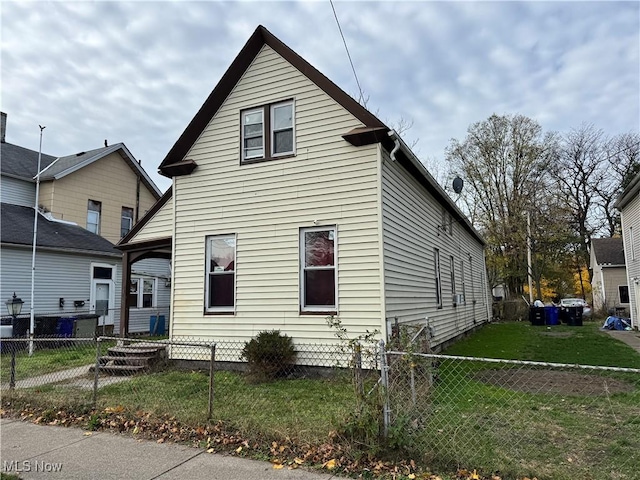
x,y
32,321
529,269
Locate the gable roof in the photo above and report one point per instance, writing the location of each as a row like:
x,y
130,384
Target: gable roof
x,y
20,162
373,131
608,251
51,234
260,37
64,166
629,193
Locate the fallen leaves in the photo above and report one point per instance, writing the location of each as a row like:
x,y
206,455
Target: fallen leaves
x,y
334,455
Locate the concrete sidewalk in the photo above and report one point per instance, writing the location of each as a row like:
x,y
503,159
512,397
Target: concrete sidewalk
x,y
630,337
36,451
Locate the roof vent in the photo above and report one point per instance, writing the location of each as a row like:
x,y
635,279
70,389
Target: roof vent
x,y
79,154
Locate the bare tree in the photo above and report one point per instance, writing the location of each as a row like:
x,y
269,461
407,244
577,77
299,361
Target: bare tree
x,y
623,164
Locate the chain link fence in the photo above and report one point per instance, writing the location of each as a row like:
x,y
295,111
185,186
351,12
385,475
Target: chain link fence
x,y
542,419
538,419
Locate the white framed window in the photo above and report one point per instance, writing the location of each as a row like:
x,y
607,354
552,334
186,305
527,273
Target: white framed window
x,y
464,285
318,271
623,293
282,129
126,221
94,209
253,134
268,132
220,274
142,292
452,268
436,265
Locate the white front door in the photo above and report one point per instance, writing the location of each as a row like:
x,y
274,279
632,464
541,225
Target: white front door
x,y
103,293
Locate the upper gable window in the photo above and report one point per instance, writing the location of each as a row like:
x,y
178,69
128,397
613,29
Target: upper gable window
x,y
268,132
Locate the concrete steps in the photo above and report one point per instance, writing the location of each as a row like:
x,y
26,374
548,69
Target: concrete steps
x,y
132,359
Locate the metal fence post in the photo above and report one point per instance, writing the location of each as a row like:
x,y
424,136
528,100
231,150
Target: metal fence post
x,y
357,371
12,379
212,363
96,373
384,377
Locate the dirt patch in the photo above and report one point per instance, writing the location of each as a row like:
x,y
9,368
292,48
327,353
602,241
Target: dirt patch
x,y
557,334
546,381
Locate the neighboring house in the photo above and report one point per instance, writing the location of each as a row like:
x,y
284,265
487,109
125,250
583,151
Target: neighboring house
x,y
105,191
74,267
609,281
629,206
292,203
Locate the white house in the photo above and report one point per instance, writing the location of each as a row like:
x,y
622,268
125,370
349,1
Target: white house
x,y
292,203
629,206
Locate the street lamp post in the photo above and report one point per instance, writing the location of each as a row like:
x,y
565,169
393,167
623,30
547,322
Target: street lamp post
x,y
14,307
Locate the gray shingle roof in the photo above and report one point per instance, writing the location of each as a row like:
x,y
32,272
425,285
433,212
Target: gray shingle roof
x,y
17,229
608,251
21,162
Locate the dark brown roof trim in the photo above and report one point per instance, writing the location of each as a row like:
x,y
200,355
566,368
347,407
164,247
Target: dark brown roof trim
x,y
361,136
145,219
261,36
179,169
148,245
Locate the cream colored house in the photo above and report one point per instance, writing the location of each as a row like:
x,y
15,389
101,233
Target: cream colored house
x,y
629,206
104,191
609,280
292,203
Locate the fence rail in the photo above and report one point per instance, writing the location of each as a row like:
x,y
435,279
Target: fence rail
x,y
560,420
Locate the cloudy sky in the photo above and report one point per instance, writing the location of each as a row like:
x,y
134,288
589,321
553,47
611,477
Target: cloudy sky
x,y
137,72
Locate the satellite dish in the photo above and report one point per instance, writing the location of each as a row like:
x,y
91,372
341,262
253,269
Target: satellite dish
x,y
457,184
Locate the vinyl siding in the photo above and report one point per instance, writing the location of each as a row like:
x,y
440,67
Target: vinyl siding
x,y
58,275
110,181
150,268
17,192
411,217
630,218
328,182
159,226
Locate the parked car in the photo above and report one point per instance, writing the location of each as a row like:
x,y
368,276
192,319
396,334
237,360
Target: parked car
x,y
576,302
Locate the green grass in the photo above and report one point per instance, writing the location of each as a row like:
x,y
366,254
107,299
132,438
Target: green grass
x,y
304,409
585,345
547,435
457,421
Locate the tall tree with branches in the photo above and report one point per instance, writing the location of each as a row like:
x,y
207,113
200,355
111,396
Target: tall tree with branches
x,y
503,160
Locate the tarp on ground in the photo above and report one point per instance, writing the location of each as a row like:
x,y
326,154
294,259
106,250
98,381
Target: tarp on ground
x,y
617,323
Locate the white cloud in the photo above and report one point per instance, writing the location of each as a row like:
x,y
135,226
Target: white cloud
x,y
137,72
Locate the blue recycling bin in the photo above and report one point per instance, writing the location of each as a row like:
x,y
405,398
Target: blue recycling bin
x,y
65,327
157,325
552,315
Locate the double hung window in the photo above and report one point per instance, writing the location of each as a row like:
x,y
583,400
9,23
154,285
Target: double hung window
x,y
142,292
268,132
318,279
126,221
220,273
93,216
436,261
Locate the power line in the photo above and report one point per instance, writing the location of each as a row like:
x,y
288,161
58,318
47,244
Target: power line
x,y
347,49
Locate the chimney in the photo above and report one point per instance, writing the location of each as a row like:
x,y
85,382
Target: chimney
x,y
3,125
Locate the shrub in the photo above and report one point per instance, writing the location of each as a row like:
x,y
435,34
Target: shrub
x,y
269,355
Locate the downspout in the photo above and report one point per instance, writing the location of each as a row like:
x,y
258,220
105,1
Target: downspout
x,y
396,146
